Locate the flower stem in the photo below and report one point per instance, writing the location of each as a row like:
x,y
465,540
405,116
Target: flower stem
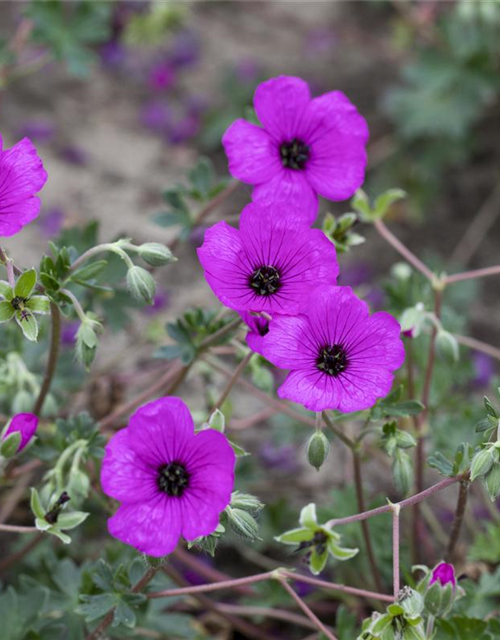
x,y
470,275
312,616
232,381
430,627
459,516
13,528
76,304
483,347
363,593
214,586
55,335
101,248
395,549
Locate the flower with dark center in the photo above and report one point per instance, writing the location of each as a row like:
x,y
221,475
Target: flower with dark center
x,y
171,481
258,326
271,263
306,147
338,355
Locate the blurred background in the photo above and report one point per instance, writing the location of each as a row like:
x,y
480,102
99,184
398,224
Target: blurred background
x,y
122,98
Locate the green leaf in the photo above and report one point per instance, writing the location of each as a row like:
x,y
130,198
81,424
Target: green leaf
x,y
94,607
7,311
25,284
441,463
295,536
90,271
384,201
38,304
27,321
308,517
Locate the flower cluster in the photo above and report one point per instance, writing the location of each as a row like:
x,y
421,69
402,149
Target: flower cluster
x,y
280,274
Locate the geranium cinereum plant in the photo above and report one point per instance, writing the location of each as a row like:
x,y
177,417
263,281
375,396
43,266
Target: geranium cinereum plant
x,y
319,370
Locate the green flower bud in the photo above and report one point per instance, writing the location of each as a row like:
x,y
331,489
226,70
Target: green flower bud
x,y
243,523
492,481
402,471
438,599
156,254
411,601
141,285
246,502
317,449
10,445
481,463
447,346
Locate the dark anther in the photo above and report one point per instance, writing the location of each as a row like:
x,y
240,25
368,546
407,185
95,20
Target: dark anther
x,y
265,281
173,479
332,360
294,154
18,303
52,515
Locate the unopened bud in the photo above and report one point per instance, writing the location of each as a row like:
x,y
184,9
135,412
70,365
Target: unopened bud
x,y
447,346
141,285
317,449
481,463
10,445
411,601
246,502
402,472
440,593
156,254
492,481
243,523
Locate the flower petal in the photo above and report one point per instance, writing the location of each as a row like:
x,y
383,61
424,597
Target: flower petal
x,y
21,173
289,344
124,475
252,154
14,216
290,187
152,527
312,388
160,431
280,104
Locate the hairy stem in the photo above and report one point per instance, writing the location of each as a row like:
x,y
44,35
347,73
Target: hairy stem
x,y
395,549
312,616
459,516
471,275
55,336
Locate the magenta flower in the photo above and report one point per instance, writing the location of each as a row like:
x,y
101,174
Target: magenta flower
x,y
24,423
258,326
305,147
339,356
444,573
21,176
271,263
171,482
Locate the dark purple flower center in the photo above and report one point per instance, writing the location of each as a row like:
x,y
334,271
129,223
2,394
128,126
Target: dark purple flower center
x,y
332,360
173,479
265,281
294,154
18,303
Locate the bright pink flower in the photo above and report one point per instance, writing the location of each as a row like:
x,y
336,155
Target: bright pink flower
x,y
271,263
305,147
21,176
26,424
171,482
339,356
444,573
258,326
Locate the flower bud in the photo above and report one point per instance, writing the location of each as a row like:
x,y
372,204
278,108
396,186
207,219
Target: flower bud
x,y
24,424
411,601
246,502
156,254
492,481
481,463
440,593
317,449
447,346
402,471
141,285
243,523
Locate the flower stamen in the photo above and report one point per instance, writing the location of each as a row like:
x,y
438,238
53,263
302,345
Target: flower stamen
x,y
294,154
265,280
173,479
332,360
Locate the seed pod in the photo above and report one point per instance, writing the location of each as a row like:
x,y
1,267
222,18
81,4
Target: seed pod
x,y
481,464
492,481
141,285
156,254
317,449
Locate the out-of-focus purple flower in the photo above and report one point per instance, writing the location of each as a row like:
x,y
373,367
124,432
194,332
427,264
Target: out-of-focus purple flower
x,y
247,70
74,155
303,589
113,54
338,355
196,104
171,481
156,116
197,235
184,129
185,49
282,459
484,369
375,298
160,303
24,423
21,176
444,573
161,76
307,147
68,333
51,222
38,130
319,42
356,274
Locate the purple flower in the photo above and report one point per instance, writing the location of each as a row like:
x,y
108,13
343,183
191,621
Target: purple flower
x,y
51,223
155,116
39,130
484,369
160,302
271,263
305,148
161,76
21,176
282,459
339,356
186,49
171,482
24,423
68,333
258,326
184,129
74,155
444,573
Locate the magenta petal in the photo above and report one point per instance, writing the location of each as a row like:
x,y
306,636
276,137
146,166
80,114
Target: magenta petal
x,y
280,104
125,476
252,154
290,187
152,527
289,344
24,423
316,391
199,518
159,431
